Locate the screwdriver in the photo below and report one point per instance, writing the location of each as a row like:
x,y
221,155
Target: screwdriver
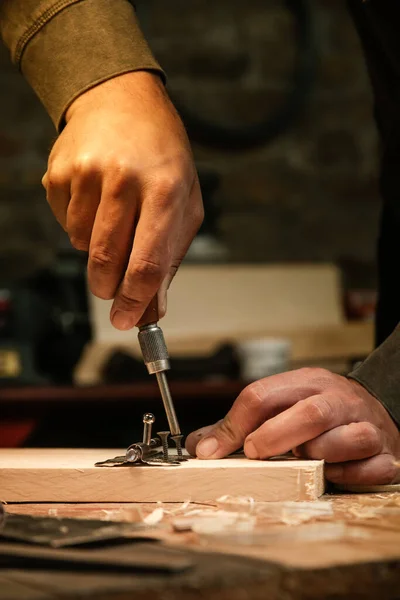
x,y
156,358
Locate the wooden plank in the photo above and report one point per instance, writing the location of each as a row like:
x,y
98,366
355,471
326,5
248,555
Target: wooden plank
x,y
69,475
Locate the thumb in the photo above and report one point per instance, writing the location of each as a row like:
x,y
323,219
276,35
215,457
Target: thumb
x,y
195,437
221,440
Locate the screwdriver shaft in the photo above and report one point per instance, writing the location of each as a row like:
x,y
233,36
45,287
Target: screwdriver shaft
x,y
168,403
155,356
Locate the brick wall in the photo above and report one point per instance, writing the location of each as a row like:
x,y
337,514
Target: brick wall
x,y
28,232
312,193
309,195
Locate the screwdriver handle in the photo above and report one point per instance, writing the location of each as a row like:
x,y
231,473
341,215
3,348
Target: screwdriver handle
x,y
150,315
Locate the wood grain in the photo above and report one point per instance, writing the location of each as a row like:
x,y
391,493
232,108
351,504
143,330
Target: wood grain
x,y
69,475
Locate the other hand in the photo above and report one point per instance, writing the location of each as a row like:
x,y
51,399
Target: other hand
x,y
315,414
121,181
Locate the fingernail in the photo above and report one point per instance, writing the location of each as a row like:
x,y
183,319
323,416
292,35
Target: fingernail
x,y
122,320
250,450
207,447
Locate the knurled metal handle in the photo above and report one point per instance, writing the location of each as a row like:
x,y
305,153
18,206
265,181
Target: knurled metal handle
x,y
154,348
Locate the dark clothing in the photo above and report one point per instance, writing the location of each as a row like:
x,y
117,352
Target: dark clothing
x,y
65,47
377,22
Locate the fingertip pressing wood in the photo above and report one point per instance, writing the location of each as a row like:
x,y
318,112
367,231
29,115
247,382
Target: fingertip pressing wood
x,y
69,475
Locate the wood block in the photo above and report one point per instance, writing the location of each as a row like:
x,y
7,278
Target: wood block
x,y
69,475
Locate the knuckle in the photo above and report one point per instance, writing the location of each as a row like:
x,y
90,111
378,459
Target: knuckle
x,y
252,396
126,301
57,177
318,412
167,187
103,259
357,403
86,165
149,270
227,430
121,166
123,175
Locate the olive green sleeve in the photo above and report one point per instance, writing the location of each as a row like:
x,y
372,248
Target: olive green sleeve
x,y
65,47
380,374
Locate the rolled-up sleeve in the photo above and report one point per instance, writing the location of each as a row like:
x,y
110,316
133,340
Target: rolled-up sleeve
x,y
380,374
65,47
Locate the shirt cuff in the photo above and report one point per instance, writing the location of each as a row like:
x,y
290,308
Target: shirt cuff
x,y
380,374
66,47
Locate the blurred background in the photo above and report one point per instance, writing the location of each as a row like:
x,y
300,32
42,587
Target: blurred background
x,y
277,103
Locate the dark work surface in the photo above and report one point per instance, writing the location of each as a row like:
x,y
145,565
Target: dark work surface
x,y
214,577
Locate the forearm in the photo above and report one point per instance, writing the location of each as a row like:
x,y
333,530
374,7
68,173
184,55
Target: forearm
x,y
65,47
380,374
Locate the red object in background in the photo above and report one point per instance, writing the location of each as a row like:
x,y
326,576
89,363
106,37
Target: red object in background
x,y
360,304
14,433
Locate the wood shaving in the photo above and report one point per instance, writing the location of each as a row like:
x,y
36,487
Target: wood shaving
x,y
154,517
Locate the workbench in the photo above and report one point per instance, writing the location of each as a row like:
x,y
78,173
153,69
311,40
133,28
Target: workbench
x,y
352,553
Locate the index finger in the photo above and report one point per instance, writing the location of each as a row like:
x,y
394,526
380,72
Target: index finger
x,y
149,260
297,425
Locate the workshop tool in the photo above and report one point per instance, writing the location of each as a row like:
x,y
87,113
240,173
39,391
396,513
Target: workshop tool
x,y
156,359
59,532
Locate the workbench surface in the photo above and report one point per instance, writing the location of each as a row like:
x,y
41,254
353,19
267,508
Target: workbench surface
x,y
352,553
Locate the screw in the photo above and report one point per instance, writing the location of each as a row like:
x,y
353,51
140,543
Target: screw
x,y
132,454
178,443
148,420
163,435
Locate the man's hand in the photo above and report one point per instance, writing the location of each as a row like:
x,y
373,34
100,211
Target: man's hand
x,y
316,414
122,183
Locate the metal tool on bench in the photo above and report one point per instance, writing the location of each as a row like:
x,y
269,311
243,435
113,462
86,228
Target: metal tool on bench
x,y
150,451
